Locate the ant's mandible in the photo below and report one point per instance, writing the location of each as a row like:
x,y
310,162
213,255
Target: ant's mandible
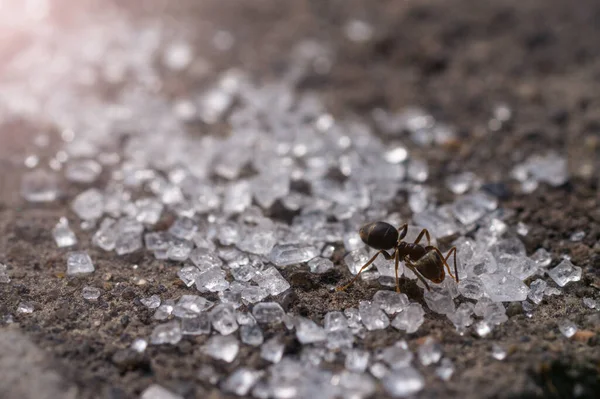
x,y
426,262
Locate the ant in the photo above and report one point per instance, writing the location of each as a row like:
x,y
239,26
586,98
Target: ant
x,y
426,262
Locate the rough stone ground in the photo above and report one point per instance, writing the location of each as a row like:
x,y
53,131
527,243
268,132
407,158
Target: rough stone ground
x,y
455,58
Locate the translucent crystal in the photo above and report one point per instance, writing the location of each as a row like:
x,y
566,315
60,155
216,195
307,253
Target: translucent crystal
x,y
498,352
522,229
567,328
483,263
254,294
352,242
155,391
268,187
90,293
242,272
320,265
591,303
228,233
259,241
339,339
184,228
188,275
268,313
355,260
565,273
212,280
285,255
178,55
418,170
241,381
502,287
189,306
308,332
180,250
445,369
430,352
550,168
4,278
372,316
89,205
223,319
271,280
251,334
39,186
396,356
128,242
63,235
439,300
198,325
549,291
167,333
379,370
79,263
357,360
390,301
460,183
139,345
410,319
528,308
519,266
439,226
83,171
542,257
156,241
205,259
272,350
335,321
403,382
471,287
151,302
238,197
106,236
222,347
148,211
468,210
483,328
461,318
164,311
25,307
536,291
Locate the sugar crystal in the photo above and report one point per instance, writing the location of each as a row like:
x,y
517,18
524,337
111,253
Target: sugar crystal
x,y
445,370
272,350
198,325
565,273
40,186
502,287
403,382
241,381
390,301
372,316
223,319
90,293
357,360
285,255
155,391
567,328
168,333
79,263
268,313
63,235
251,334
89,205
222,347
430,352
307,331
410,319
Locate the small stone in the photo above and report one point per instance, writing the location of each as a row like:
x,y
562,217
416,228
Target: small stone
x,y
272,350
155,391
40,185
251,334
502,287
151,302
271,280
372,316
430,352
63,235
410,319
567,328
308,332
90,293
403,382
320,265
223,319
25,307
139,345
471,287
565,273
541,257
222,347
390,302
79,263
536,291
285,255
498,352
167,333
89,205
445,370
357,360
268,313
241,381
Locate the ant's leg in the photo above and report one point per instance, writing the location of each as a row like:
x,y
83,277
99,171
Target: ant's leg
x,y
410,265
445,261
453,249
402,230
397,260
426,232
385,254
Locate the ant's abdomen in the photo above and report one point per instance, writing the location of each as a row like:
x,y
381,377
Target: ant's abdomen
x,y
379,235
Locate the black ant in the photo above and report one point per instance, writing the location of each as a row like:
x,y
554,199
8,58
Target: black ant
x,y
426,262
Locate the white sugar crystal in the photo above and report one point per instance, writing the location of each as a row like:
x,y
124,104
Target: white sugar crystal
x,y
89,205
156,241
335,321
483,263
164,311
241,381
285,255
430,352
372,316
79,263
4,278
498,352
403,382
242,272
542,257
128,242
188,275
106,236
460,183
357,360
352,242
565,273
212,280
567,328
445,370
198,325
390,301
139,345
550,168
461,318
259,241
396,356
522,229
184,228
151,302
251,334
223,319
483,328
308,332
155,391
180,250
339,339
63,235
222,347
358,31
410,319
178,56
577,236
379,370
148,210
254,294
272,350
244,319
268,313
90,293
168,333
205,259
356,385
25,307
83,171
418,170
189,306
591,303
238,197
268,187
536,291
320,265
549,291
468,210
355,260
439,300
271,280
502,287
519,266
40,186
471,287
